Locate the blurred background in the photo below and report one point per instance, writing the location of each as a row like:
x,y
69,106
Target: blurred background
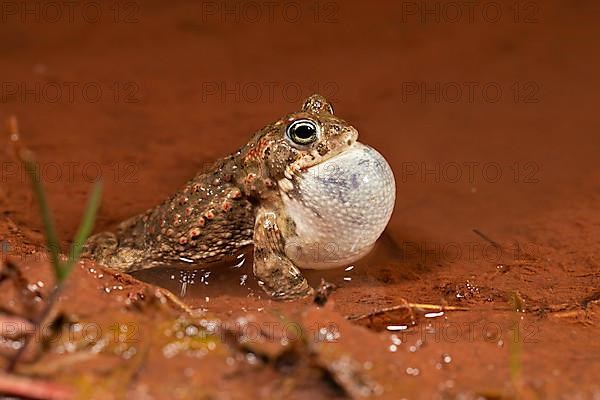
x,y
487,112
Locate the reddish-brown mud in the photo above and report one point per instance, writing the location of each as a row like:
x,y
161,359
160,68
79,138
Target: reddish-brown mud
x,y
488,120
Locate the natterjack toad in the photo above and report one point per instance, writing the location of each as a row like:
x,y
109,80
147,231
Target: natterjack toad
x,y
303,191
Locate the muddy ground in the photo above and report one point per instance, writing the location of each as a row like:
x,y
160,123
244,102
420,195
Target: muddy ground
x,y
486,112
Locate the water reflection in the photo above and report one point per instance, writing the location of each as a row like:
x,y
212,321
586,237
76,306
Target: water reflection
x,y
233,276
203,281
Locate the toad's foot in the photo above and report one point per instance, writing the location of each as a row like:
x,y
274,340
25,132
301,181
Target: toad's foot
x,y
104,248
101,246
276,274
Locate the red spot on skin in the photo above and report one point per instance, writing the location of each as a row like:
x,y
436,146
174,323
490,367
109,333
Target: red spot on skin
x,y
177,220
194,232
189,211
183,240
210,214
257,151
201,221
226,206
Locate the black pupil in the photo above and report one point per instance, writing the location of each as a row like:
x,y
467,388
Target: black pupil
x,y
304,131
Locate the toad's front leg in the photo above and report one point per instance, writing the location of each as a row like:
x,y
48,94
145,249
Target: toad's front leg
x,y
276,274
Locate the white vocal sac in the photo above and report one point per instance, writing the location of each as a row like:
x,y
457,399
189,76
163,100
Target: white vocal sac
x,y
340,208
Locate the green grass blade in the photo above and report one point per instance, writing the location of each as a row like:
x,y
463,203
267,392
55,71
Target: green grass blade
x,y
515,351
85,228
515,344
47,220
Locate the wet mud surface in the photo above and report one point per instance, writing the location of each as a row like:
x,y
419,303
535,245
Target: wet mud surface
x,y
496,223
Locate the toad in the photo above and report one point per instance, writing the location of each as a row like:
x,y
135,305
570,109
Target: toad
x,y
303,191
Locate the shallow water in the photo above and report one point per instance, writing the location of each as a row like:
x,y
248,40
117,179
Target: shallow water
x,y
232,276
197,284
542,209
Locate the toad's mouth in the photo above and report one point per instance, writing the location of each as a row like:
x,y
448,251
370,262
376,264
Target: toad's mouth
x,y
340,207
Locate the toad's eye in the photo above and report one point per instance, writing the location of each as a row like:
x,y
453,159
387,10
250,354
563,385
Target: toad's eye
x,y
302,131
